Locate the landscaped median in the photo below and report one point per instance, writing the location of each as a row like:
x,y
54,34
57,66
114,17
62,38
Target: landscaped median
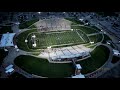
x,y
42,67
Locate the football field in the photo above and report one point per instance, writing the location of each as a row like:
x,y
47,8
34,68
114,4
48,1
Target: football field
x,y
57,38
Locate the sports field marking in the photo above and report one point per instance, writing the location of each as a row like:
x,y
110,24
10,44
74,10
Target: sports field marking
x,y
56,39
79,35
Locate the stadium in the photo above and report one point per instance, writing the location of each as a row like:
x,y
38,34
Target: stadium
x,y
60,47
60,40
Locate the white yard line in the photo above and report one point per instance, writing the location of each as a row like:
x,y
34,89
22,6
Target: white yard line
x,y
80,36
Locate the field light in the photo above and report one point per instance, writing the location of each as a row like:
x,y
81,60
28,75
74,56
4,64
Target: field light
x,y
39,12
91,42
81,19
49,47
108,43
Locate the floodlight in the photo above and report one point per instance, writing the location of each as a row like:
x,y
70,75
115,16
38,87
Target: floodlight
x,y
91,42
39,12
49,47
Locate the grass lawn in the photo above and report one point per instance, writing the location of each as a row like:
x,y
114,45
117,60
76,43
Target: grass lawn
x,y
96,28
57,38
98,57
83,35
20,40
44,40
5,29
33,26
43,68
27,24
88,44
87,30
96,38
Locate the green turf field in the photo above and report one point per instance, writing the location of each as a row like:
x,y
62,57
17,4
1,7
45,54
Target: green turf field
x,y
20,40
87,30
32,26
96,38
45,40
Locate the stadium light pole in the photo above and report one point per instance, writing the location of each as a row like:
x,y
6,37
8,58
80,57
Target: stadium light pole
x,y
39,14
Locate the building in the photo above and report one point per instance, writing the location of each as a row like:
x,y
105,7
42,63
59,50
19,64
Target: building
x,y
6,40
9,69
78,72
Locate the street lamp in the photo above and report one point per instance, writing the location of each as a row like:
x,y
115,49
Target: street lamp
x,y
39,14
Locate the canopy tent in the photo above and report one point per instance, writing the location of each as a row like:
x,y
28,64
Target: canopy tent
x,y
78,66
9,69
7,40
116,52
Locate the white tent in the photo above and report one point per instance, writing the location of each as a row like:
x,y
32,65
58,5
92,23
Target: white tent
x,y
78,66
9,69
7,40
116,52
